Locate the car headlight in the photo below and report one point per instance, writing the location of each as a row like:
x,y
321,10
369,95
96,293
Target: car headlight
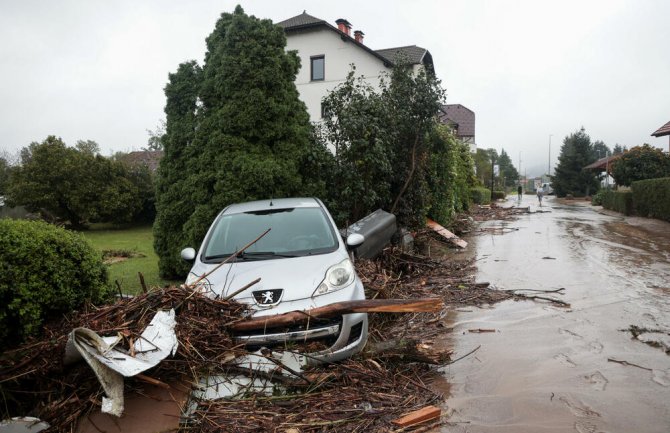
x,y
337,277
204,285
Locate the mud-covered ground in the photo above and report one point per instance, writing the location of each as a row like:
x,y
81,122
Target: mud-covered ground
x,y
601,365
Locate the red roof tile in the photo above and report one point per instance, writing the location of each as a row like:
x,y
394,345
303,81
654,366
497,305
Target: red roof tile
x,y
663,130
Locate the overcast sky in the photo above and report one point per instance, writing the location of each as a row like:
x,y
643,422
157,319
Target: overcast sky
x,y
96,69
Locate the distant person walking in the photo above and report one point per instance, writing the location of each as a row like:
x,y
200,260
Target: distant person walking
x,y
540,193
519,191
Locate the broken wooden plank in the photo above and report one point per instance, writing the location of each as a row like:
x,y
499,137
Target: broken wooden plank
x,y
445,233
421,305
418,416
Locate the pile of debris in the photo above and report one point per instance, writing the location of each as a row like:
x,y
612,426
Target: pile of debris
x,y
34,380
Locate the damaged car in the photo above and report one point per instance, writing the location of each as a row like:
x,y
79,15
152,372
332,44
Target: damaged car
x,y
302,262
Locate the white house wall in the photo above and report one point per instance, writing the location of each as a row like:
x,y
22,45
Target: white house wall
x,y
338,57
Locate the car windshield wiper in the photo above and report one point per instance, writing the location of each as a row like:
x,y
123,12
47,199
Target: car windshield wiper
x,y
217,256
261,255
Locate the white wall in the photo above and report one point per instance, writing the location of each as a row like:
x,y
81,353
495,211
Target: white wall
x,y
338,55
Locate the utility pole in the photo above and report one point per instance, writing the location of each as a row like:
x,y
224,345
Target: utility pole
x,y
549,163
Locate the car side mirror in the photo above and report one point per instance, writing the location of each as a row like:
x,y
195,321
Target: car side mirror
x,y
188,254
355,240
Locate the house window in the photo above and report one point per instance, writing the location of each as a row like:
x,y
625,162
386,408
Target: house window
x,y
318,68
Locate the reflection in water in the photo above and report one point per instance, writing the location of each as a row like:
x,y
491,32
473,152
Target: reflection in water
x,y
552,369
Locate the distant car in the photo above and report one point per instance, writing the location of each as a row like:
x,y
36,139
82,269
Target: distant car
x,y
303,263
548,190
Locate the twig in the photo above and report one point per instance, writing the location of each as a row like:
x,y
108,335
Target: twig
x,y
241,289
628,363
467,354
228,259
142,283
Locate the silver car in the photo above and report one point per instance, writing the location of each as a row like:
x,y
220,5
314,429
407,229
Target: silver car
x,y
303,263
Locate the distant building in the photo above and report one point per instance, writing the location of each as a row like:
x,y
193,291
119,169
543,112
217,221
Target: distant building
x,y
462,120
662,132
147,158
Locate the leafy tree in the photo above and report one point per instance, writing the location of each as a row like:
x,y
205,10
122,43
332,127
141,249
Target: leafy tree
x,y
412,101
640,163
379,139
362,167
483,165
67,184
618,149
600,150
451,174
89,147
570,176
236,130
4,174
508,175
155,141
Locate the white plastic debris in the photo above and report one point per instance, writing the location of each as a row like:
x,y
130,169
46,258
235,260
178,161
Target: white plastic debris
x,y
111,364
25,424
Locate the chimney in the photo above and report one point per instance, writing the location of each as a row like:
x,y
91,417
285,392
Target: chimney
x,y
358,35
344,26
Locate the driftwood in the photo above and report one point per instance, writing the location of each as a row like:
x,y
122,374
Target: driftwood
x,y
423,305
418,416
446,233
408,350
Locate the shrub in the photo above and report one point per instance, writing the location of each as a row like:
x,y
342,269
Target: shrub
x,y
651,198
597,199
480,195
618,201
498,195
45,271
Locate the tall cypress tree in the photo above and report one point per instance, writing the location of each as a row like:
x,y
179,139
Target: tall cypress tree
x,y
570,176
239,133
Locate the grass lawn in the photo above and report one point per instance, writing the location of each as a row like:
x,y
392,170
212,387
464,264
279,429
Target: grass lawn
x,y
139,242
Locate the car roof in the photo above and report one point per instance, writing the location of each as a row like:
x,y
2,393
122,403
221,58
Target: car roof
x,y
276,203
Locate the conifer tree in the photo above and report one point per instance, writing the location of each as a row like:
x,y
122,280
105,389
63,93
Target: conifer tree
x,y
236,131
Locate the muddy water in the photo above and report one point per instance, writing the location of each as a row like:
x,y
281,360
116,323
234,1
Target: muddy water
x,y
551,369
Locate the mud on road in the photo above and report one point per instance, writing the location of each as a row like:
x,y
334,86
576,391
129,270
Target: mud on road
x,y
601,365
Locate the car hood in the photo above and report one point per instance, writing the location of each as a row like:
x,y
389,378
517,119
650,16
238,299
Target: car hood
x,y
297,276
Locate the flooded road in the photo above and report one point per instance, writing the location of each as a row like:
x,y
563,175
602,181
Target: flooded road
x,y
577,369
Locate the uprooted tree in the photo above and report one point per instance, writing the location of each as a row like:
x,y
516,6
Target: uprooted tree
x,y
235,131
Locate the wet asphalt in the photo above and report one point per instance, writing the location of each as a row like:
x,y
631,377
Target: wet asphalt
x,y
547,368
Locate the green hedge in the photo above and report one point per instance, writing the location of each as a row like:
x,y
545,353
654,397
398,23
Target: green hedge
x,y
45,271
651,198
619,201
480,195
498,195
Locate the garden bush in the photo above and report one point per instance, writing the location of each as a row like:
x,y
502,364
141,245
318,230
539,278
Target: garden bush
x,y
480,195
45,271
651,198
618,201
597,199
498,195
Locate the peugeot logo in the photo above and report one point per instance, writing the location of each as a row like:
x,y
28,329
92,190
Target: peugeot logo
x,y
268,298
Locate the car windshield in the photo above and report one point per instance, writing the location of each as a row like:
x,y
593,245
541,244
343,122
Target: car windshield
x,y
294,232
